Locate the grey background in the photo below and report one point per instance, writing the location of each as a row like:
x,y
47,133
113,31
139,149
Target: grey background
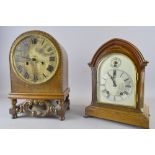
x,y
80,43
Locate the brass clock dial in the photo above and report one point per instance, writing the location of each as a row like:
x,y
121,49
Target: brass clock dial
x,y
35,59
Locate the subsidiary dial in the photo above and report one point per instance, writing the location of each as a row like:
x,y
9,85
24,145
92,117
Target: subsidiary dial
x,y
115,62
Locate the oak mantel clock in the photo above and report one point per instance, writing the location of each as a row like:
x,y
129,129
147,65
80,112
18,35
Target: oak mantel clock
x,y
39,74
118,69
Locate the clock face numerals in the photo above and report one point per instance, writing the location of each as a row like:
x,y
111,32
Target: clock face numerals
x,y
35,59
116,80
116,85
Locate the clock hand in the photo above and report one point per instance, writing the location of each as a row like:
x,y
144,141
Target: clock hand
x,y
114,82
30,59
23,57
114,73
114,78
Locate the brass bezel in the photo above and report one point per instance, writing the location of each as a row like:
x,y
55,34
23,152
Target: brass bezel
x,y
22,37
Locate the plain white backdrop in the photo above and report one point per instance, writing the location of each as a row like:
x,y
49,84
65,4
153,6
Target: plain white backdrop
x,y
81,44
79,13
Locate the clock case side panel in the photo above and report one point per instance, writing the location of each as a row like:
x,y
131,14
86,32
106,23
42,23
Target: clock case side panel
x,y
56,85
126,48
64,69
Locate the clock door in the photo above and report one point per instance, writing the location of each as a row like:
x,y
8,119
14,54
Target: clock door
x,y
116,80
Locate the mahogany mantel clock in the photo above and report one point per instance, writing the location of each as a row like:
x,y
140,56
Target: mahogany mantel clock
x,y
118,70
39,74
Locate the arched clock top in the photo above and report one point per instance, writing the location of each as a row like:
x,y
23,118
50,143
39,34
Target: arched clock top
x,y
118,72
117,45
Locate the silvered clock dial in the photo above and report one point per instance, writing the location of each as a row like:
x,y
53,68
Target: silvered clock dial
x,y
116,80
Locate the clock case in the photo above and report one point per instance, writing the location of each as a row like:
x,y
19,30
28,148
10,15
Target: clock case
x,y
138,116
55,89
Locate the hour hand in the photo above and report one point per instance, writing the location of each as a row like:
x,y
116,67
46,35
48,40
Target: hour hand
x,y
114,83
113,80
114,73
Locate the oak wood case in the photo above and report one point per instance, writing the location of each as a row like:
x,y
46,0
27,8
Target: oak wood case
x,y
119,113
54,89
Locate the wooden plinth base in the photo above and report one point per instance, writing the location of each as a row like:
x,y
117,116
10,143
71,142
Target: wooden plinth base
x,y
140,119
40,108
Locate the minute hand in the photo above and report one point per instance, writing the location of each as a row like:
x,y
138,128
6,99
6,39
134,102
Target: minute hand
x,y
23,57
112,78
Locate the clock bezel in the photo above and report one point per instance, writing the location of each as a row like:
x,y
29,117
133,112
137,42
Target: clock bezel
x,y
26,35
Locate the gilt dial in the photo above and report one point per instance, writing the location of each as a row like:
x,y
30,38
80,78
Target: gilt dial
x,y
116,85
35,59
